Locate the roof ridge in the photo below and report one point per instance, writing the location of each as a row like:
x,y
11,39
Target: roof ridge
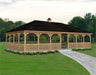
x,y
48,22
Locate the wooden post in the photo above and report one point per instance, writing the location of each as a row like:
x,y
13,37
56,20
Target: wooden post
x,y
9,38
13,38
18,38
67,41
76,41
24,42
90,40
38,42
60,41
83,41
50,41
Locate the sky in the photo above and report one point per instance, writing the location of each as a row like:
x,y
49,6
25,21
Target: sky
x,y
58,10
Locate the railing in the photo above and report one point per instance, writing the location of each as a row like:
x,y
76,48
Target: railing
x,y
72,45
42,46
80,45
46,46
55,46
31,47
87,45
15,46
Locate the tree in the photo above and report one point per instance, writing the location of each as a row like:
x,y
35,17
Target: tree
x,y
88,18
95,29
6,26
19,23
88,23
78,22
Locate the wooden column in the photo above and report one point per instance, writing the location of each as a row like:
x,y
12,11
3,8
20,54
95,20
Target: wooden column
x,y
24,42
50,40
76,41
9,38
18,38
13,38
90,40
60,40
38,42
83,40
67,41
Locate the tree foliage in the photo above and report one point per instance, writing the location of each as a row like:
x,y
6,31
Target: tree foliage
x,y
87,23
6,26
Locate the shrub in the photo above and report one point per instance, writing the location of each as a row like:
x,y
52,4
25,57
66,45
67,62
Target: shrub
x,y
37,52
17,52
20,53
30,53
44,52
52,51
34,53
27,53
73,49
56,51
40,53
81,49
48,52
11,51
7,50
24,53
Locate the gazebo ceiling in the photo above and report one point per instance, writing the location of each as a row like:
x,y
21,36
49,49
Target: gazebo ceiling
x,y
48,26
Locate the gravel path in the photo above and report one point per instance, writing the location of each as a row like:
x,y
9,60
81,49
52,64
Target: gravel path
x,y
86,61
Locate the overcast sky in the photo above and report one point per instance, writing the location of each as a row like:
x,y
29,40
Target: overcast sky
x,y
57,10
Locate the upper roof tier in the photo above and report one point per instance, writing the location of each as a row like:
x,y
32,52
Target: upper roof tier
x,y
48,26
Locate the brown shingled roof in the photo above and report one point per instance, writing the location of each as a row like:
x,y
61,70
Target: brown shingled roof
x,y
46,26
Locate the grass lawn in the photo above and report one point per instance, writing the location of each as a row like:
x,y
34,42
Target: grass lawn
x,y
91,52
54,64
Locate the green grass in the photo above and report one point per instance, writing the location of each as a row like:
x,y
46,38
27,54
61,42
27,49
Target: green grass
x,y
53,64
90,52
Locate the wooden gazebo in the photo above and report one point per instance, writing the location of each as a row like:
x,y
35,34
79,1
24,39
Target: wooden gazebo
x,y
28,37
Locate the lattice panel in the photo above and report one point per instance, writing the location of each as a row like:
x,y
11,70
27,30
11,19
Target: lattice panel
x,y
87,45
55,46
31,47
15,46
72,45
44,46
80,45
